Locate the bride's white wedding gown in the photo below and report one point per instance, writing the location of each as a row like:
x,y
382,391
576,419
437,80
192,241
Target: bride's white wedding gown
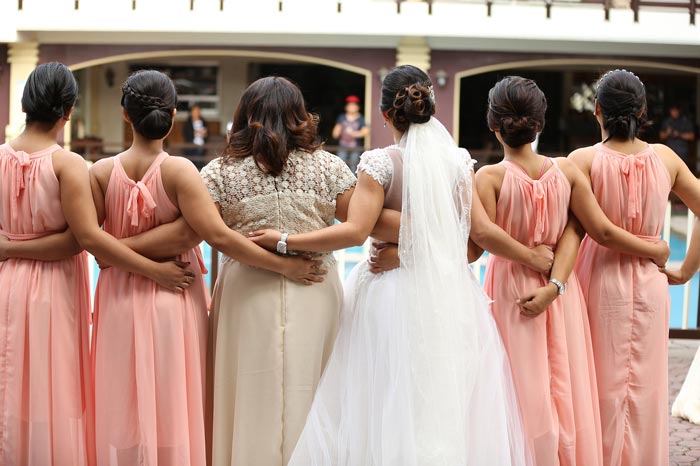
x,y
687,403
418,375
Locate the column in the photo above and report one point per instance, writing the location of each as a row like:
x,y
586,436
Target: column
x,y
413,51
22,58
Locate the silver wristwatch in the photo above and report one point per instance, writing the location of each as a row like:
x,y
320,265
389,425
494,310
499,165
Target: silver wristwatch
x,y
282,244
561,288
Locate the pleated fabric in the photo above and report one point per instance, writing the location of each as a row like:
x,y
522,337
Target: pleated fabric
x,y
45,383
149,343
551,355
628,308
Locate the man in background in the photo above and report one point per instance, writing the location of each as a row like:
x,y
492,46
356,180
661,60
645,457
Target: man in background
x,y
195,132
350,130
677,132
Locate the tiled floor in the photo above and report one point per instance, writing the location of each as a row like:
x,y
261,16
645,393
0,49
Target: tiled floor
x,y
684,436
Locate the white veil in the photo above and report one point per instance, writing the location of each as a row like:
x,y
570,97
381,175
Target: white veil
x,y
465,411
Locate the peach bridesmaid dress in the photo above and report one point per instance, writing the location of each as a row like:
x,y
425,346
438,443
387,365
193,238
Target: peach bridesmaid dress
x,y
149,345
628,307
45,383
550,355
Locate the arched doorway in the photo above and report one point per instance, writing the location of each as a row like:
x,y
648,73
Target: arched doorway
x,y
567,83
214,79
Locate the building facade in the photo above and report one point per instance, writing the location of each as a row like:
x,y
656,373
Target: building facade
x,y
214,48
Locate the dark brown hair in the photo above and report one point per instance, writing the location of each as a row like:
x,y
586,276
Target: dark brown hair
x,y
407,97
270,122
623,103
516,110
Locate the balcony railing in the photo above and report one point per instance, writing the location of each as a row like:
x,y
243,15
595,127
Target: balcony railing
x,y
606,5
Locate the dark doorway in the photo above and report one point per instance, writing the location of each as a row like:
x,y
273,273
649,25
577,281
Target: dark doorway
x,y
570,122
324,89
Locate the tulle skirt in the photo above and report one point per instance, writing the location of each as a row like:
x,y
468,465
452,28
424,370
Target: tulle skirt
x,y
365,411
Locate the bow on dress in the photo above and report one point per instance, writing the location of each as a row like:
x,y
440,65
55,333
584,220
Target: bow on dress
x,y
539,201
23,161
631,167
140,202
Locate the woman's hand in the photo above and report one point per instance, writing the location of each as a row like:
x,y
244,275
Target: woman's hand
x,y
662,253
534,303
542,258
173,275
267,238
678,276
385,257
4,248
303,270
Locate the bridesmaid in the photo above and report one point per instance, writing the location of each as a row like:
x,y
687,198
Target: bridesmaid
x,y
46,415
627,297
149,350
547,339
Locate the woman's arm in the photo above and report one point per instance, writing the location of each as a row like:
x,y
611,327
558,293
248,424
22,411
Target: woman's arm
x,y
81,216
535,302
201,214
687,188
364,209
164,241
492,238
585,206
53,247
691,263
388,224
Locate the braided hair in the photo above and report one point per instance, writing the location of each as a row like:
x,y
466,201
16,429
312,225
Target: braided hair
x,y
149,98
622,99
407,97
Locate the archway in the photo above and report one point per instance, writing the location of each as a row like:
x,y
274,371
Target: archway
x,y
567,127
324,82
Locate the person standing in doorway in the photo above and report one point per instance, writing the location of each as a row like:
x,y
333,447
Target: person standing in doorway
x,y
677,132
195,132
350,130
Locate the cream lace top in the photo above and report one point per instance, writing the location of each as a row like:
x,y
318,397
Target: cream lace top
x,y
299,200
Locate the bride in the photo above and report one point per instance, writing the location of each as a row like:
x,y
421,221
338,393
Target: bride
x,y
418,375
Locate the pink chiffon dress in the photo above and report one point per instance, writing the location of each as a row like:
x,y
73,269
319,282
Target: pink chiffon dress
x,y
628,307
45,382
551,355
149,343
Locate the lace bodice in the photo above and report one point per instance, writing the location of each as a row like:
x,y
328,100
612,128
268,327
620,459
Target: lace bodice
x,y
377,164
299,200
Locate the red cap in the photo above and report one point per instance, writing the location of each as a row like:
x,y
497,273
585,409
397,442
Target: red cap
x,y
352,99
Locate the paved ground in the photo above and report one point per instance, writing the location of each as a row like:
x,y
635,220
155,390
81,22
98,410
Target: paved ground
x,y
684,436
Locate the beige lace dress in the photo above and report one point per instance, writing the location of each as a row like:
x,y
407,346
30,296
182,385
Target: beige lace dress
x,y
270,338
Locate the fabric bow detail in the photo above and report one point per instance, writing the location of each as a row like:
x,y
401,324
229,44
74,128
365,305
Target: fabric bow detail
x,y
631,166
23,161
140,195
539,200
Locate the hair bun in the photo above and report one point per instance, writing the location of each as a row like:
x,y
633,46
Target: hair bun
x,y
418,105
512,124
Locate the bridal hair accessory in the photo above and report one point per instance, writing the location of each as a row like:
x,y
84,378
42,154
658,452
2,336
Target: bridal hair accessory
x,y
624,71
